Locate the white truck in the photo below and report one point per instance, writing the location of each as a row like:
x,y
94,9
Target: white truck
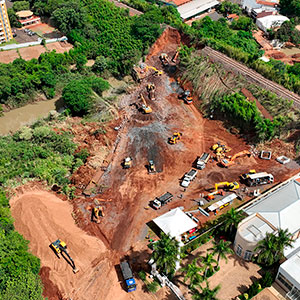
x,y
202,161
188,177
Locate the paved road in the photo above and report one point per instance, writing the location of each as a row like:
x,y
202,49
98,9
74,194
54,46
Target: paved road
x,y
132,11
233,65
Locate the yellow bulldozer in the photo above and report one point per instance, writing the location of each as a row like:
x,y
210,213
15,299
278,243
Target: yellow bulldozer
x,y
98,211
175,138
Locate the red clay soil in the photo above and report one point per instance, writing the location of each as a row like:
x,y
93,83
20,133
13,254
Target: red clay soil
x,y
97,249
51,290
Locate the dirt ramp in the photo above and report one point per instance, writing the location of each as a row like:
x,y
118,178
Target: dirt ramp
x,y
41,218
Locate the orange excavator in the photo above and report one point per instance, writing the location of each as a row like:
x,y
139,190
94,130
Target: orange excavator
x,y
229,162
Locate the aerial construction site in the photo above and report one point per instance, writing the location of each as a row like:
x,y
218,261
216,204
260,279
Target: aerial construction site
x,y
148,150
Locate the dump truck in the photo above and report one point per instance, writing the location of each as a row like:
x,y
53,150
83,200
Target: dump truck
x,y
188,177
128,276
175,138
229,162
162,200
202,161
151,91
259,179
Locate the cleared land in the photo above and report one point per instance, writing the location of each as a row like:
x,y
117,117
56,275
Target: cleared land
x,y
142,137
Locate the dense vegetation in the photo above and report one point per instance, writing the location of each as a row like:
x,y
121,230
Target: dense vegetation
x,y
19,269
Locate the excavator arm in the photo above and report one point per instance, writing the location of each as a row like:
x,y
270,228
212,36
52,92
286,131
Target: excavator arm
x,y
69,260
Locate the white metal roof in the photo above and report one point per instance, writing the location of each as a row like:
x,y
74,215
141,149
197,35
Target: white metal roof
x,y
175,222
290,269
281,208
267,22
195,7
225,200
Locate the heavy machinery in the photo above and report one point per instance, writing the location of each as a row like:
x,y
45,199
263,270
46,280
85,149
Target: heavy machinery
x,y
146,108
127,163
230,186
220,148
156,72
60,247
230,161
175,56
245,176
175,138
128,276
186,97
211,196
151,167
139,73
151,91
164,58
98,211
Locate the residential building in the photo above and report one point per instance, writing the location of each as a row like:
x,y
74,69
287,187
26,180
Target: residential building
x,y
278,209
5,30
249,5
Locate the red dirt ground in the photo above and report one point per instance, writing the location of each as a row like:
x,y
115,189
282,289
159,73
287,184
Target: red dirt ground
x,y
98,247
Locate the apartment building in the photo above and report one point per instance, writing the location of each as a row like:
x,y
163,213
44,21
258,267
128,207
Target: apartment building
x,y
5,30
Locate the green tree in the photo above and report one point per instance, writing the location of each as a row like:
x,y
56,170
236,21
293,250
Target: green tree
x,y
81,60
166,254
206,293
221,249
243,23
192,273
266,250
20,5
207,262
13,19
227,7
231,220
283,240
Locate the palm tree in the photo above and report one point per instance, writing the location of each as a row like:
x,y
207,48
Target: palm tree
x,y
192,272
221,249
232,219
207,293
283,240
207,262
166,254
267,249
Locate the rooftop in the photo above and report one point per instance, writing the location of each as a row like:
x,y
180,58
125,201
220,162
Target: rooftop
x,y
291,267
281,208
24,13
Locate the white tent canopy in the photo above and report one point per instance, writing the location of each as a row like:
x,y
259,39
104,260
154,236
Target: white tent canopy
x,y
268,22
175,222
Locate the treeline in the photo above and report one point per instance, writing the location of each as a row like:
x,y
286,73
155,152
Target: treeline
x,y
19,269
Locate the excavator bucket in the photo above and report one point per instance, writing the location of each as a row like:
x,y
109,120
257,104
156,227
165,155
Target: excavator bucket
x,y
75,270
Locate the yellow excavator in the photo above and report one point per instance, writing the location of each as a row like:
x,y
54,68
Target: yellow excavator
x,y
164,58
151,91
157,72
175,138
98,211
139,73
230,161
60,247
127,162
146,108
230,186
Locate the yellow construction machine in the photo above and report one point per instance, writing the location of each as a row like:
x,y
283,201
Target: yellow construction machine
x,y
174,58
151,91
220,148
146,108
127,163
141,72
98,211
175,138
164,58
151,167
230,161
230,186
60,247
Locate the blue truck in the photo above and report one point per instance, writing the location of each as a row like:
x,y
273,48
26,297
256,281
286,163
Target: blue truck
x,y
128,276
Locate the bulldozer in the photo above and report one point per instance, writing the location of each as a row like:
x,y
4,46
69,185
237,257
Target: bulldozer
x,y
98,211
186,97
151,91
60,247
164,58
146,108
229,162
127,163
230,186
175,138
151,167
220,148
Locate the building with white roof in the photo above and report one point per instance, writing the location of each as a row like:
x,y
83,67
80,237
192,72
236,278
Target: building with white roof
x,y
279,209
272,21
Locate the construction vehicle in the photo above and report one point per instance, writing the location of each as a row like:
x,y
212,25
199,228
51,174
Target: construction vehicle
x,y
186,97
175,138
229,162
258,178
230,186
188,177
211,196
202,161
97,212
146,108
127,163
128,276
60,247
158,202
164,58
141,72
220,148
156,72
175,56
245,176
151,91
151,167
